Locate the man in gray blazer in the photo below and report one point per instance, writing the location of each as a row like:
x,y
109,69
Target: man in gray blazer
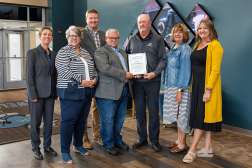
x,y
112,91
92,38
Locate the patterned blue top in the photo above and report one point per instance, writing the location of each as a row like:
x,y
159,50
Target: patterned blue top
x,y
178,70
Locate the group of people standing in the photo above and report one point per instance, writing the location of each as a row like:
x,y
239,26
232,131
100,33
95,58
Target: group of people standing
x,y
91,73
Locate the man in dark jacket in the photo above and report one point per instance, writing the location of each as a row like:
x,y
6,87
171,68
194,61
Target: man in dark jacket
x,y
146,86
92,39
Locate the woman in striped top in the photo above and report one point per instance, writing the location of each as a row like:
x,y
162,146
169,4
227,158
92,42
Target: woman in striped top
x,y
75,86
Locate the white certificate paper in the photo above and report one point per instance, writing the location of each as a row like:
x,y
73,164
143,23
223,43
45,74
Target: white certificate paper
x,y
137,63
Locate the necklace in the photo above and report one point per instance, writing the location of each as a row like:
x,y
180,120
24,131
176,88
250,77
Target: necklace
x,y
202,45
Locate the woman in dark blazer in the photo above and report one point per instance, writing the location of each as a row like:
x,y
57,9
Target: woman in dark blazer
x,y
41,88
75,85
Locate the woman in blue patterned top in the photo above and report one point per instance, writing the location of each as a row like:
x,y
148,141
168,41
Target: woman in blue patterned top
x,y
176,106
75,86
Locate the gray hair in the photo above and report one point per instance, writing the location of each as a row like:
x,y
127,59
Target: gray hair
x,y
144,15
75,29
110,30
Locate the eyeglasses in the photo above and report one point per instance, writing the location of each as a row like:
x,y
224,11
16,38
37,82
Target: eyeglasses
x,y
73,36
113,38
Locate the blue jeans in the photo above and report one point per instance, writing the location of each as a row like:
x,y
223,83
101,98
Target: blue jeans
x,y
112,115
74,115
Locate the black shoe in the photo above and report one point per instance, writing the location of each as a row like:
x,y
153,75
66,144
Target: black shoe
x,y
111,151
50,151
139,145
156,147
37,154
123,146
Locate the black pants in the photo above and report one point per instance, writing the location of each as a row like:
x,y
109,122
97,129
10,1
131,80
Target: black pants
x,y
147,93
43,108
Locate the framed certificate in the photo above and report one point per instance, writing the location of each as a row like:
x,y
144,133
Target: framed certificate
x,y
137,63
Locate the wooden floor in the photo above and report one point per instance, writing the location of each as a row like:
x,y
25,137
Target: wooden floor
x,y
19,155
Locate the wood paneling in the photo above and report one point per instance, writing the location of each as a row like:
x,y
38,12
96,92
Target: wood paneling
x,y
43,3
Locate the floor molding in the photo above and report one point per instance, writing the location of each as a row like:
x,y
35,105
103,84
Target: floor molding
x,y
237,130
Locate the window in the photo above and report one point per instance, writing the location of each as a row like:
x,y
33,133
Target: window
x,y
35,14
13,12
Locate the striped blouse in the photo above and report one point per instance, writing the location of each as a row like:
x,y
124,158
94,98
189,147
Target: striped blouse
x,y
70,66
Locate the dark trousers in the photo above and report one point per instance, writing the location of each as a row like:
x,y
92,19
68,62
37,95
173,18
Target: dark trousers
x,y
161,102
74,115
147,93
112,115
43,108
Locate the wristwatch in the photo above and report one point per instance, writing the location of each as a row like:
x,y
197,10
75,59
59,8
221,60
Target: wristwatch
x,y
180,90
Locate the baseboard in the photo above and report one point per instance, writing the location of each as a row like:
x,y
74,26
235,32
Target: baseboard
x,y
12,89
237,130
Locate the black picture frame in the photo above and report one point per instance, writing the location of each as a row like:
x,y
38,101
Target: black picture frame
x,y
166,19
196,15
152,8
133,31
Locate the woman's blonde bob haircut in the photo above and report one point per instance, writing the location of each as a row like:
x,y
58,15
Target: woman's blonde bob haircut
x,y
182,28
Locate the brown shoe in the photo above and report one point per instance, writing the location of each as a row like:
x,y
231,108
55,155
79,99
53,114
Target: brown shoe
x,y
88,145
172,145
176,149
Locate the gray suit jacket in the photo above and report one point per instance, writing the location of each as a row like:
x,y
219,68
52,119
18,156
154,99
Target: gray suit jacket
x,y
41,75
87,41
112,76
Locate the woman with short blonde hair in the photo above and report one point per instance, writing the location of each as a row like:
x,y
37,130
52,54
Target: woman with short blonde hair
x,y
176,106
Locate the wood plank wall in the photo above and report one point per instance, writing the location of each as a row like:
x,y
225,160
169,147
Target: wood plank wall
x,y
42,3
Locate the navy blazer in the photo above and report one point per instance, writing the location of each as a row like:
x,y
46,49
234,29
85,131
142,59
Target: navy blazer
x,y
41,74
